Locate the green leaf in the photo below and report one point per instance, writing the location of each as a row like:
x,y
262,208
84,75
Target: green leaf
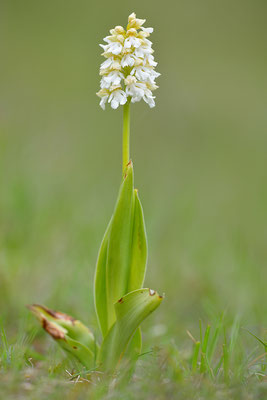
x,y
122,257
100,287
130,357
78,350
119,246
71,334
134,347
139,248
132,352
131,310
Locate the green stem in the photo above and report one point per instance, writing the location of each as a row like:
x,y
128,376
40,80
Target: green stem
x,y
126,136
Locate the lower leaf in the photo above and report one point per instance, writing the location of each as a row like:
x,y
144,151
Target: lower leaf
x,y
130,310
71,334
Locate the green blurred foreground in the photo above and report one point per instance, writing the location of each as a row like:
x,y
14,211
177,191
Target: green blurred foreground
x,y
200,167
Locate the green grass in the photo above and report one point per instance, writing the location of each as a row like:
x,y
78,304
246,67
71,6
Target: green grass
x,y
221,364
200,167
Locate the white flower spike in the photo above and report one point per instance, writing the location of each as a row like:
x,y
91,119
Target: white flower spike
x,y
128,72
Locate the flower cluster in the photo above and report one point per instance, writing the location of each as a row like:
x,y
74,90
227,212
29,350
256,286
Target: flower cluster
x,y
128,71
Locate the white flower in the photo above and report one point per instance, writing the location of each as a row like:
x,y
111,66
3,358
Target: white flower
x,y
107,63
103,94
136,91
139,90
117,97
132,41
128,60
149,59
149,98
134,22
143,51
142,73
110,64
128,71
113,78
113,48
147,30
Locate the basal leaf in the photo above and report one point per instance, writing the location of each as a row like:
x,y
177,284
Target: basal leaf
x,y
134,346
131,310
71,334
78,350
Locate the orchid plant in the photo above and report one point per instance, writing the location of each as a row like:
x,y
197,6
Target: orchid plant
x,y
121,302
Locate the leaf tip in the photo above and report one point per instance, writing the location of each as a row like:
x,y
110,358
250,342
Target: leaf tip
x,y
53,329
153,292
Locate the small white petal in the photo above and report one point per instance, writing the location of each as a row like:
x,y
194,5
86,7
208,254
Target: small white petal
x,y
104,46
115,104
147,30
103,102
107,63
127,60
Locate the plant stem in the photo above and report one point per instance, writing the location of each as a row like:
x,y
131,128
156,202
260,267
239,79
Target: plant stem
x,y
126,136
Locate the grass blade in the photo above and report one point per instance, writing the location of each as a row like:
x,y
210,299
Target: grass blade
x,y
195,356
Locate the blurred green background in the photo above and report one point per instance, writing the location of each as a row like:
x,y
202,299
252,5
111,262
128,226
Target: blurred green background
x,y
199,156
